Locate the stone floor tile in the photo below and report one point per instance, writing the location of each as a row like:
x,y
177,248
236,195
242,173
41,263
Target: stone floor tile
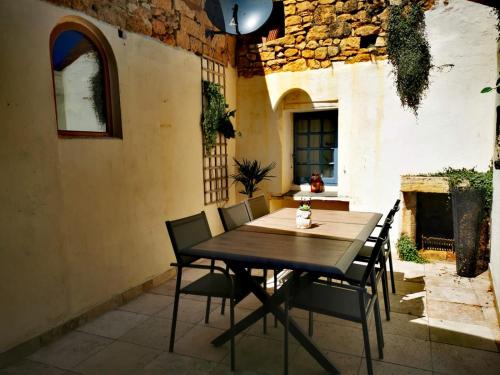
x,y
462,334
148,304
446,269
485,297
410,271
118,358
302,363
155,333
27,367
70,349
404,288
168,289
385,368
197,343
217,320
250,302
491,317
190,311
405,351
173,363
414,304
451,294
260,354
457,360
338,338
113,324
457,312
405,325
451,282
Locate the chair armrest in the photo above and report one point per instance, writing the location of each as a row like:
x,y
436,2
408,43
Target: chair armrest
x,y
201,266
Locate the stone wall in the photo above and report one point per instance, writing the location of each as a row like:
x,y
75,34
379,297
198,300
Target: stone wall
x,y
318,32
180,23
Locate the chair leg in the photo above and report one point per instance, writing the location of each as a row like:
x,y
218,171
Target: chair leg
x,y
366,337
275,289
176,307
385,290
209,299
286,327
223,304
231,320
391,269
264,320
378,327
311,324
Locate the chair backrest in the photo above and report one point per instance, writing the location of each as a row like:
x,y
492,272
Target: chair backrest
x,y
396,205
234,216
376,253
257,207
187,232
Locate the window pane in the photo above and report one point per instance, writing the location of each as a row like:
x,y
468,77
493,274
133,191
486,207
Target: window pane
x,y
328,140
326,156
314,139
327,125
302,141
314,156
79,83
303,173
302,126
315,125
302,157
327,171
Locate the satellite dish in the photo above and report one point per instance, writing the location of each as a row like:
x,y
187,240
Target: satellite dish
x,y
238,17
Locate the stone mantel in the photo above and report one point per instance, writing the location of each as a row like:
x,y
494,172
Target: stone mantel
x,y
424,184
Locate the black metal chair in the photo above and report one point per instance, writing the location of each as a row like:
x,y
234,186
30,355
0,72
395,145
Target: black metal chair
x,y
233,217
257,207
345,301
188,232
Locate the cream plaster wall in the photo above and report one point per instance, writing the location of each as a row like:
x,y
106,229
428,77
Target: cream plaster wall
x,y
83,219
495,237
379,140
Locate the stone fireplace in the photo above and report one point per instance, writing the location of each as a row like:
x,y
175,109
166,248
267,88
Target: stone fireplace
x,y
426,212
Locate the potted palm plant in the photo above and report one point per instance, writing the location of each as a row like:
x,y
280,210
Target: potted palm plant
x,y
250,173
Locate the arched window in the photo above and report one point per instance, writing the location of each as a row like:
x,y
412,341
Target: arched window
x,y
85,80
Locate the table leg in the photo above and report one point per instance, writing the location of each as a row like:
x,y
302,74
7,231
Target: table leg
x,y
272,304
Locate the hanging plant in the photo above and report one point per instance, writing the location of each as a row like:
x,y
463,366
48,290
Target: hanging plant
x,y
215,118
408,52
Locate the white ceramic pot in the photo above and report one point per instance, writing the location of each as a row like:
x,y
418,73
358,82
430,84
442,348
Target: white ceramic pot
x,y
303,219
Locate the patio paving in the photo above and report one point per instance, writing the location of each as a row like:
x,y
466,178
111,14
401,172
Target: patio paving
x,y
440,324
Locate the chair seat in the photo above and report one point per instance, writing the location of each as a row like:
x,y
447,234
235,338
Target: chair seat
x,y
330,300
355,273
218,285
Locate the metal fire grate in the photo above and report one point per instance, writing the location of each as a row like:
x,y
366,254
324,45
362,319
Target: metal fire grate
x,y
437,243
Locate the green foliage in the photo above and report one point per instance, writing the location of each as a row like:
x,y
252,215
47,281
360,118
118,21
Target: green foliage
x,y
304,207
98,99
408,251
489,89
215,118
470,178
249,173
408,52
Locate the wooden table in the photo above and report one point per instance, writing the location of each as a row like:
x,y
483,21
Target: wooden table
x,y
329,247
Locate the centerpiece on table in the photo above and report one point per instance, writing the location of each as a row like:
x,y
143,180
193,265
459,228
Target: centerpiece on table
x,y
303,216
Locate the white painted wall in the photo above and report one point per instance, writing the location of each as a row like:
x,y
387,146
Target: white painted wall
x,y
378,140
78,109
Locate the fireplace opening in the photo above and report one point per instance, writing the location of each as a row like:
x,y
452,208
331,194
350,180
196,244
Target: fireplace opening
x,y
434,229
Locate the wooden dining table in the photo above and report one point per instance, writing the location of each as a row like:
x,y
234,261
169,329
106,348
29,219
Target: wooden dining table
x,y
273,242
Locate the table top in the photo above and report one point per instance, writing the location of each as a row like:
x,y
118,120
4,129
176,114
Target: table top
x,y
273,241
343,225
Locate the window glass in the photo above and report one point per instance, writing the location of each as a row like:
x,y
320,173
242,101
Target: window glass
x,y
79,83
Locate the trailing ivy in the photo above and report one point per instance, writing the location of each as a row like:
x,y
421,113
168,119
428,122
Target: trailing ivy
x,y
470,178
97,87
408,251
408,52
215,118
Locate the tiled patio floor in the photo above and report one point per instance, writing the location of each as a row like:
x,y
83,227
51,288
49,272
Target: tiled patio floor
x,y
441,324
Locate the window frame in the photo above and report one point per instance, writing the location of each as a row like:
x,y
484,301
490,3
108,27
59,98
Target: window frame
x,y
329,181
111,91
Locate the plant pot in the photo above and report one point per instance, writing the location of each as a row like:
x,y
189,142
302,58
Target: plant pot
x,y
303,219
467,210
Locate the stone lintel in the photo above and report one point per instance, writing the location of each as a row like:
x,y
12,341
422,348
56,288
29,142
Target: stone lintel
x,y
424,184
